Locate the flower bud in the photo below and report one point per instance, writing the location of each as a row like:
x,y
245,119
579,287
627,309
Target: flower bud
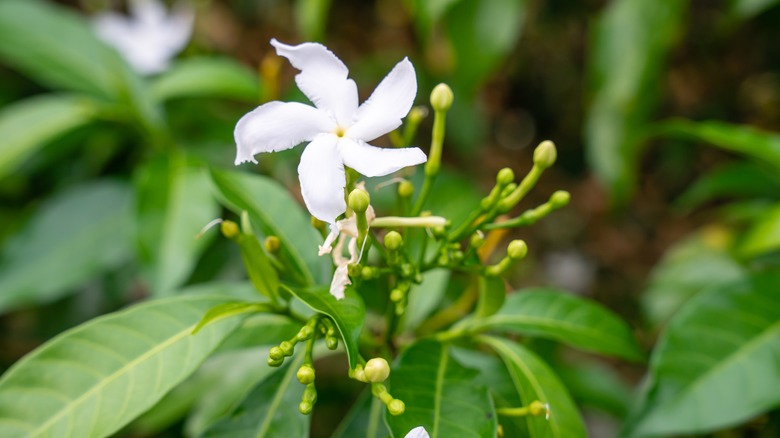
x,y
287,348
305,374
545,154
560,199
305,408
331,342
416,114
229,229
376,370
305,333
477,240
359,200
441,97
505,176
508,190
272,244
396,407
368,272
393,240
517,249
405,189
396,295
276,353
354,270
275,362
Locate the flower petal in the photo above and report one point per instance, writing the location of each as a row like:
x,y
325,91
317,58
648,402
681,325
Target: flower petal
x,y
276,126
323,79
373,161
417,432
388,104
322,177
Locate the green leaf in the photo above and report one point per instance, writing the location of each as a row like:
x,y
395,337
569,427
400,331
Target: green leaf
x,y
311,18
272,208
425,297
226,310
207,77
552,314
258,266
760,145
363,419
534,380
716,364
748,8
174,203
741,179
697,263
27,125
595,384
630,45
439,395
270,410
348,314
94,379
763,236
492,295
76,235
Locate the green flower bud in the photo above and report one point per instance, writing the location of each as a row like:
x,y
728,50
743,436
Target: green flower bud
x,y
441,97
477,240
310,394
305,374
560,199
405,189
355,270
508,190
305,333
457,256
275,353
439,232
272,244
305,408
505,176
416,114
407,270
396,295
368,272
517,249
396,407
376,370
393,240
331,342
275,362
545,154
229,229
358,200
287,348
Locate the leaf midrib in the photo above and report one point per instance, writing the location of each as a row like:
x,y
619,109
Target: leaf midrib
x,y
279,396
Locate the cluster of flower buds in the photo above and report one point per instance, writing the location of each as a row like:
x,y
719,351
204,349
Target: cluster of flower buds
x,y
375,372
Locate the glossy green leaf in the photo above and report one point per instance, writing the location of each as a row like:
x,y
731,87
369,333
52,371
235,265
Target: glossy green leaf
x,y
552,314
716,364
534,380
270,410
73,237
741,179
258,265
439,395
272,208
423,298
630,44
365,418
174,203
226,310
27,125
763,236
760,145
94,379
207,77
348,314
697,263
492,295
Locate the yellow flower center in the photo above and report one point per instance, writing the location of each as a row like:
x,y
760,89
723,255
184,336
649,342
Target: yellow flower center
x,y
339,131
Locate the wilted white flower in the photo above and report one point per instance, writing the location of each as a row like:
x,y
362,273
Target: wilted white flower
x,y
150,37
417,432
343,230
336,126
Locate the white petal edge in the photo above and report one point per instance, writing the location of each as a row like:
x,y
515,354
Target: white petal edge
x,y
417,432
323,79
389,103
373,161
321,173
277,126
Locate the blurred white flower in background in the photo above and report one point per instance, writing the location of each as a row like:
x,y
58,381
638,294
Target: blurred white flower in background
x,y
150,36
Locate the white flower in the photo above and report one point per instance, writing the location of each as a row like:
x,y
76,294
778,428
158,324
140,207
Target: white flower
x,y
336,127
343,229
417,432
150,37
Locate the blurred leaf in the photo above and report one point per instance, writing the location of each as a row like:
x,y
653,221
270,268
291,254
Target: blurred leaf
x,y
272,208
258,266
630,44
348,314
534,380
716,364
363,419
740,179
311,18
423,298
429,382
691,266
270,410
566,318
492,294
226,310
261,329
749,8
427,13
595,384
27,125
763,236
174,203
207,77
94,379
73,237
